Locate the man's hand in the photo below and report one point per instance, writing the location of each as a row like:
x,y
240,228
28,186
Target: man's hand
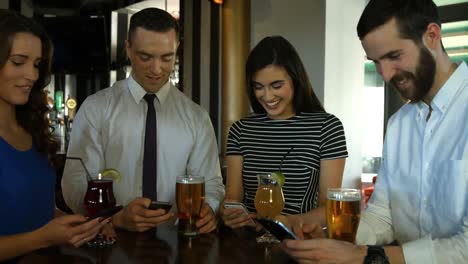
x,y
207,221
322,250
137,217
308,230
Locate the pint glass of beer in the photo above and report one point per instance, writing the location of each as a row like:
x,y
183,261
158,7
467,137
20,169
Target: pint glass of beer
x,y
343,213
190,196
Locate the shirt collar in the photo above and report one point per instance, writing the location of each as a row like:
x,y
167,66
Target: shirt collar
x,y
448,91
138,92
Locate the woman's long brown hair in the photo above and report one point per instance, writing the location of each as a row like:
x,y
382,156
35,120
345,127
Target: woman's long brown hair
x,y
32,116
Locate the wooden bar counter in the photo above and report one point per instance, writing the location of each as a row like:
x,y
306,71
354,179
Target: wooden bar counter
x,y
164,245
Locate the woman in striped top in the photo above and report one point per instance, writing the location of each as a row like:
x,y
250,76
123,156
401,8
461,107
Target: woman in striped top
x,y
287,114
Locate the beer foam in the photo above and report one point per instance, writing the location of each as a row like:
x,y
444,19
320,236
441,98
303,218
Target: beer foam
x,y
347,195
345,199
190,180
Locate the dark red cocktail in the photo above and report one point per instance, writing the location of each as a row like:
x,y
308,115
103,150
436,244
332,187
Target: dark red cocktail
x,y
99,196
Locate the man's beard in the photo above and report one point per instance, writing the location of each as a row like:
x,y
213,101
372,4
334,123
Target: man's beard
x,y
422,80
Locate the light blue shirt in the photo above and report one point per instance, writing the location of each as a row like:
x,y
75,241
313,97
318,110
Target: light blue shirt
x,y
421,195
109,132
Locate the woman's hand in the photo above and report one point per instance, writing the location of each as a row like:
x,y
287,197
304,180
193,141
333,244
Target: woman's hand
x,y
236,217
108,232
71,229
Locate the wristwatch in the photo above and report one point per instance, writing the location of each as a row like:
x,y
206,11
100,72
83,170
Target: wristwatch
x,y
376,255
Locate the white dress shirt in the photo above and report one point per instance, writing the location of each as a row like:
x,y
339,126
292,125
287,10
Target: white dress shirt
x,y
421,196
109,132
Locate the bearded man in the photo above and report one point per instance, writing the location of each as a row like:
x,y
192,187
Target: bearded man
x,y
418,212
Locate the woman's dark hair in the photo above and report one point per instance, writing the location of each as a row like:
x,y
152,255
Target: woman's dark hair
x,y
277,51
33,115
412,17
153,19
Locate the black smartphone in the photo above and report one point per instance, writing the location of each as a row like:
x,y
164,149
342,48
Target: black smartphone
x,y
155,205
105,213
276,228
237,205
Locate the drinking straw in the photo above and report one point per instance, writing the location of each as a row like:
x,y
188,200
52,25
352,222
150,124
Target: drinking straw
x,y
284,157
88,176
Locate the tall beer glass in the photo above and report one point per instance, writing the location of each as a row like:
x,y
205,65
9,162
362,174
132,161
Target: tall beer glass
x,y
343,213
190,196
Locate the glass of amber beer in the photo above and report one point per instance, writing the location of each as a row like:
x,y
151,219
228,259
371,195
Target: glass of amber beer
x,y
190,196
343,213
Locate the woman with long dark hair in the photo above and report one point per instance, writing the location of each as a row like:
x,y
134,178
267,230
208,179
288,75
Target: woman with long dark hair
x,y
288,123
27,148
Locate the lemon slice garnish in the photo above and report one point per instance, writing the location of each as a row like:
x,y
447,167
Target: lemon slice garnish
x,y
111,173
278,177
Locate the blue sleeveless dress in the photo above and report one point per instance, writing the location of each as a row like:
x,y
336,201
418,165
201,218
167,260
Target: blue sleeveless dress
x,y
27,185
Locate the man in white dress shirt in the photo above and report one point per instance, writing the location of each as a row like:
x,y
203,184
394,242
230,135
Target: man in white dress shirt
x,y
109,132
420,199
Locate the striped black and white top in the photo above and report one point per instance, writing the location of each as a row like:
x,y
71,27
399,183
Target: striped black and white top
x,y
263,142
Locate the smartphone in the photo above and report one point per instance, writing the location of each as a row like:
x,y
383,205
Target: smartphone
x,y
107,212
237,205
155,205
276,228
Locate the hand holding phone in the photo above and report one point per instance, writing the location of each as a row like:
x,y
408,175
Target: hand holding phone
x,y
105,213
236,205
155,205
241,206
276,228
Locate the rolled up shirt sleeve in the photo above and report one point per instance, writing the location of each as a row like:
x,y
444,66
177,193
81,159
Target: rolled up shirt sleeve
x,y
376,225
204,161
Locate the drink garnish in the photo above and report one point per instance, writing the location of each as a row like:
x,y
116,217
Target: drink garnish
x,y
279,177
111,173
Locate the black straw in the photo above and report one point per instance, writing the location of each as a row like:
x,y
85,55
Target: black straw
x,y
88,176
284,157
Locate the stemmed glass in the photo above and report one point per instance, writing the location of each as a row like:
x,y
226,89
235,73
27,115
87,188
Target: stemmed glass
x,y
269,202
99,196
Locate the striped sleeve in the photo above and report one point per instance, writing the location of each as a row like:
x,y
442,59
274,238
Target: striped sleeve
x,y
233,142
333,141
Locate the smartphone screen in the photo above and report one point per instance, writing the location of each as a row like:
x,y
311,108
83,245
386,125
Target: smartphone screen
x,y
155,205
276,228
237,205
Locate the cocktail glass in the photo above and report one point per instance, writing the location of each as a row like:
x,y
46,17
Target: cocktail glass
x,y
269,202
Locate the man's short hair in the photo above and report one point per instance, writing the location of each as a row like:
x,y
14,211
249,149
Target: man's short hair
x,y
153,19
412,17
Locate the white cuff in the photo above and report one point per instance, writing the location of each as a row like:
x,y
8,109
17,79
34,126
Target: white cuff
x,y
418,251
